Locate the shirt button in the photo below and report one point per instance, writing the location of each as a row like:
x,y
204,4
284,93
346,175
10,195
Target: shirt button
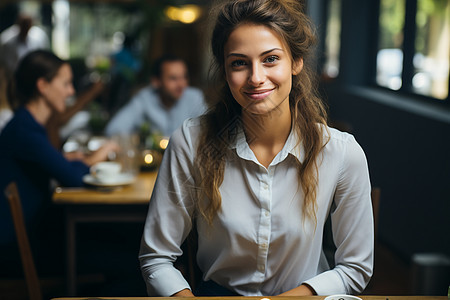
x,y
267,213
266,186
264,245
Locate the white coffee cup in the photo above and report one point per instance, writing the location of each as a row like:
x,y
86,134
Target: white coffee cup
x,y
342,297
106,171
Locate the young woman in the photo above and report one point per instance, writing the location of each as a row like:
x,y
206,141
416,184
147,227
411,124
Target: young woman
x,y
42,83
260,173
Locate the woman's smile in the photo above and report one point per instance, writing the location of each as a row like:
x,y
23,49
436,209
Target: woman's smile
x,y
259,94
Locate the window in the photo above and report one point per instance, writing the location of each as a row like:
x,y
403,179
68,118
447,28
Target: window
x,y
390,41
332,39
413,46
431,59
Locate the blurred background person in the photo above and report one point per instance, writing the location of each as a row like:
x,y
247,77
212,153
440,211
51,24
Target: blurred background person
x,y
125,67
164,104
41,85
20,39
58,121
5,109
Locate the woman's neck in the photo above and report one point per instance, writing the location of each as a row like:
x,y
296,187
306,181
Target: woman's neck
x,y
267,134
40,110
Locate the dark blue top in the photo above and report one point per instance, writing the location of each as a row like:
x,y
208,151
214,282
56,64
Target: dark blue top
x,y
28,158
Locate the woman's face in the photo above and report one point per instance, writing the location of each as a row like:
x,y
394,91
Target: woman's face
x,y
56,91
259,69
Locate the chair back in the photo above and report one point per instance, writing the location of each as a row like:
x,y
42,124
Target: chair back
x,y
31,277
375,194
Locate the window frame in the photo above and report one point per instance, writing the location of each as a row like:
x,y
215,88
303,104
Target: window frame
x,y
359,47
408,48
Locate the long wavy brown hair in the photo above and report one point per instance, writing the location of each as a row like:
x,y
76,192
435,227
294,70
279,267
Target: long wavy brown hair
x,y
287,19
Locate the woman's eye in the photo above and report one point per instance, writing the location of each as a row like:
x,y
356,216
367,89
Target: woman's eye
x,y
271,59
238,63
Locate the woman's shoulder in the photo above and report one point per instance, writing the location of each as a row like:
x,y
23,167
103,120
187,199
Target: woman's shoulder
x,y
342,144
333,135
23,123
337,141
188,134
22,132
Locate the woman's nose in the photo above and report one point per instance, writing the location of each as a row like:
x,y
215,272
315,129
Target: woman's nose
x,y
257,75
71,90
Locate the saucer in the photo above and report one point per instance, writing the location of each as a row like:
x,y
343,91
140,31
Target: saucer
x,y
120,179
342,297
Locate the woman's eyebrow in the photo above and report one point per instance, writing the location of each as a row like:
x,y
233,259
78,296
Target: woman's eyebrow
x,y
262,54
236,54
268,51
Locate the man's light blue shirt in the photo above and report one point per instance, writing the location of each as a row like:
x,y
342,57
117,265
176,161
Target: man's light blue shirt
x,y
146,106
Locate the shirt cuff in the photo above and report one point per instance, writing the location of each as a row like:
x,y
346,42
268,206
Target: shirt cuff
x,y
327,283
166,282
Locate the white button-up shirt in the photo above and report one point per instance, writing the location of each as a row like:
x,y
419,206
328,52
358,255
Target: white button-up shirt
x,y
260,242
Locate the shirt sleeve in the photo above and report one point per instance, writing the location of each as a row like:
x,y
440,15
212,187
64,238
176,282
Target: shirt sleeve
x,y
34,147
129,117
169,219
352,226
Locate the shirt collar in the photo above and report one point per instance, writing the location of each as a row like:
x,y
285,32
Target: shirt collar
x,y
292,146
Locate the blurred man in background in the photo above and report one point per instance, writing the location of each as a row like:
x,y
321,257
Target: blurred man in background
x,y
164,104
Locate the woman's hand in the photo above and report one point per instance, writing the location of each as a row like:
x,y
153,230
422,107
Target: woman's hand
x,y
184,293
102,153
71,156
302,290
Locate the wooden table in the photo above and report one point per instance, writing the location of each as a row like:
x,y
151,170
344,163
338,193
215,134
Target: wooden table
x,y
260,298
105,204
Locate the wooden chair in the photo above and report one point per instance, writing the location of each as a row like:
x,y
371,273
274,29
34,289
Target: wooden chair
x,y
31,277
37,287
376,193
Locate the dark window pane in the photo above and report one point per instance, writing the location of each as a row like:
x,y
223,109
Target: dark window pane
x,y
431,59
332,39
390,54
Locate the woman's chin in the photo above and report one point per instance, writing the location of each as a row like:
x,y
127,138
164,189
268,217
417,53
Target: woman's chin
x,y
59,110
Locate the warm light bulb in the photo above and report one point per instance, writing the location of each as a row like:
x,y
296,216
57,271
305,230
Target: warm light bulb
x,y
185,14
188,16
172,13
148,159
163,143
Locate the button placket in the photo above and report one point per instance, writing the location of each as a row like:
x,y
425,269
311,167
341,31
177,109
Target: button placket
x,y
265,225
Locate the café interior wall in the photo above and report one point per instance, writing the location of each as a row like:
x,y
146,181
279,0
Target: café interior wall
x,y
408,157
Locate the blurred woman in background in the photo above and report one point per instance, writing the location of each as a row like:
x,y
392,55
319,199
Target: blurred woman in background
x,y
41,84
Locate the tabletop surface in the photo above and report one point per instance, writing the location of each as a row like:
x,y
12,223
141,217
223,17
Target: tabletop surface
x,y
261,298
138,192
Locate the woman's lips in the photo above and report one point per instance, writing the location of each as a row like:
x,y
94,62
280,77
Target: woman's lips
x,y
258,94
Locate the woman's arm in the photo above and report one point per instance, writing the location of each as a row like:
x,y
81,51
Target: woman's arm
x,y
352,227
101,154
34,147
302,290
169,221
184,293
